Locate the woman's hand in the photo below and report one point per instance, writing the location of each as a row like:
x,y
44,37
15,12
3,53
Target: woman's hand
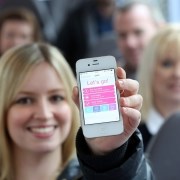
x,y
130,102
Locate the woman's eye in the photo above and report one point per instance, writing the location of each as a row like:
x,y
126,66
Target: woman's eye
x,y
57,98
24,100
167,63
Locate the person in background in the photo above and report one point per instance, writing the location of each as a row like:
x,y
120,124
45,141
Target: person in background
x,y
39,120
135,23
50,14
18,26
159,78
84,28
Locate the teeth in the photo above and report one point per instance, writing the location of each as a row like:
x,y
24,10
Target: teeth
x,y
42,130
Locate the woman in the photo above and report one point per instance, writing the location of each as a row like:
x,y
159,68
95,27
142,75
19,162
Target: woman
x,y
159,78
38,122
18,26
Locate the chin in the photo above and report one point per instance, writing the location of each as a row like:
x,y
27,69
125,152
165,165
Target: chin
x,y
177,100
46,148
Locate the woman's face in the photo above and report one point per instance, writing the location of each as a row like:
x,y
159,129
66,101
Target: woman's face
x,y
166,81
39,119
13,33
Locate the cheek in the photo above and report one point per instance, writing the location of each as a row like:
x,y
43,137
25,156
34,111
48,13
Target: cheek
x,y
64,117
159,82
4,42
142,41
12,123
122,44
160,76
16,118
64,114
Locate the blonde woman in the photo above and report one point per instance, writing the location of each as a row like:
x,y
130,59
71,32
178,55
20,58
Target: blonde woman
x,y
39,120
159,78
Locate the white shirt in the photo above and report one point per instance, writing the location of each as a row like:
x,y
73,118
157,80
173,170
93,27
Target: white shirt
x,y
154,121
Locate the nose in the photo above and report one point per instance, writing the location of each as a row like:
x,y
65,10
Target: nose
x,y
131,41
43,111
16,40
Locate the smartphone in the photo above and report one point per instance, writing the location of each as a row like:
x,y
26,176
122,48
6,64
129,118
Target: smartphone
x,y
99,99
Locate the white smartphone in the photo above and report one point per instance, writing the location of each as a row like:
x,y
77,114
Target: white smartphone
x,y
99,99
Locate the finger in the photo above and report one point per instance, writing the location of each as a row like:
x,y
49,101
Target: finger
x,y
121,74
131,120
127,87
134,101
75,96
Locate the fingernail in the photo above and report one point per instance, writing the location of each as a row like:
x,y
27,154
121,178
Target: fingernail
x,y
121,82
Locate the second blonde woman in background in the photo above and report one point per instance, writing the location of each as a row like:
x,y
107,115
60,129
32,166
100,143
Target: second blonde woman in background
x,y
159,78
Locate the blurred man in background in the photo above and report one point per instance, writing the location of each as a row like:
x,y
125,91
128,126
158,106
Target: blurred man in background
x,y
135,23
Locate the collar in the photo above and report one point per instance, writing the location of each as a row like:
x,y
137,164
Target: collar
x,y
154,121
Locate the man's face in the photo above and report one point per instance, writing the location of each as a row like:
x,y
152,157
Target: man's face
x,y
15,32
134,28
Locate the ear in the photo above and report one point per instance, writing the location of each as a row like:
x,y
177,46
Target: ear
x,y
75,96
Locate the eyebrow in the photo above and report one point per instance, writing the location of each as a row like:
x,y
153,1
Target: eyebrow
x,y
57,90
49,92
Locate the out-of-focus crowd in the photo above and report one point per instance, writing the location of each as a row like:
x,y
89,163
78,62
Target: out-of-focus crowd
x,y
134,32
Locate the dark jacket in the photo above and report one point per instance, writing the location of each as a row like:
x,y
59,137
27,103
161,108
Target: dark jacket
x,y
145,134
72,39
82,32
125,163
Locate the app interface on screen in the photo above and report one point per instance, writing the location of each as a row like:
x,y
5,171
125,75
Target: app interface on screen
x,y
99,96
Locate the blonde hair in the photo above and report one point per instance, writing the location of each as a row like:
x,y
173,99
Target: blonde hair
x,y
15,65
167,39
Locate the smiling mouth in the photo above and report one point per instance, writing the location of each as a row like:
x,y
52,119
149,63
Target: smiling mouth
x,y
48,130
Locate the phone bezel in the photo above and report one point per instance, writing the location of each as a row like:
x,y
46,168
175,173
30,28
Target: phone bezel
x,y
105,128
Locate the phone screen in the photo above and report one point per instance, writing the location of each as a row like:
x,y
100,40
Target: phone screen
x,y
99,97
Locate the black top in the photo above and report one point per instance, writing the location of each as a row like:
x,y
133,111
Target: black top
x,y
81,31
124,163
145,134
72,39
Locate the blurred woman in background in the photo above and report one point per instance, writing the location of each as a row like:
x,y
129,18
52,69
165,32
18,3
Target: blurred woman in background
x,y
159,78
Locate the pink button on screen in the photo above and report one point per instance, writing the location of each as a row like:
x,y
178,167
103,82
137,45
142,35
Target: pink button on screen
x,y
99,95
